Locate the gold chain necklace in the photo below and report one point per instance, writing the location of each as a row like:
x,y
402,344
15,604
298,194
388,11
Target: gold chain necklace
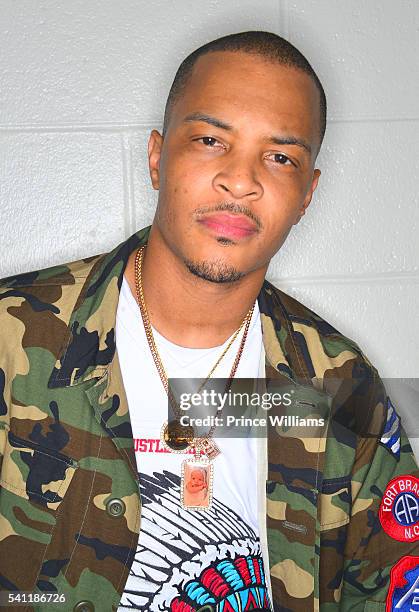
x,y
197,473
174,435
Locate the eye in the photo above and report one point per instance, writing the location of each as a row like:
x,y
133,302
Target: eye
x,y
281,159
208,141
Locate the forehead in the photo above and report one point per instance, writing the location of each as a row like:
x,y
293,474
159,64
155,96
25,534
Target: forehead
x,y
242,87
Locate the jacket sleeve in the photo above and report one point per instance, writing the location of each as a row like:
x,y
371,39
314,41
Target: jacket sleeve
x,y
381,558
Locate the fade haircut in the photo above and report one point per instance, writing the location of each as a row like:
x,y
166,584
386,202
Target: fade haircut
x,y
263,44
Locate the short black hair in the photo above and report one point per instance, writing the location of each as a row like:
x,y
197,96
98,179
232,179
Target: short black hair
x,y
264,44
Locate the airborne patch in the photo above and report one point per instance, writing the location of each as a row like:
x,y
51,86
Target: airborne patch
x,y
399,509
391,434
403,593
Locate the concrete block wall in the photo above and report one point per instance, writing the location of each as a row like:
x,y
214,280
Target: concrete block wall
x,y
83,83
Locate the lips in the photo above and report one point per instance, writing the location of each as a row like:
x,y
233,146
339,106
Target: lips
x,y
230,226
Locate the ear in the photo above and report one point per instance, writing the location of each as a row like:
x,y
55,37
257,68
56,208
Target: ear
x,y
307,199
155,143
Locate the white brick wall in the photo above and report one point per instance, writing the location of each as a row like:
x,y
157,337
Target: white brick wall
x,y
82,83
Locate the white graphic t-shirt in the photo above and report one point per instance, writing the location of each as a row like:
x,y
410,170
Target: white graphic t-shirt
x,y
187,559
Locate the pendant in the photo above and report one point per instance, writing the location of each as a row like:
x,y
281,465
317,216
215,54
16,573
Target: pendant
x,y
196,484
176,436
208,447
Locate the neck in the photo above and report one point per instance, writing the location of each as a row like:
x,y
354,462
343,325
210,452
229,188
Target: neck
x,y
185,309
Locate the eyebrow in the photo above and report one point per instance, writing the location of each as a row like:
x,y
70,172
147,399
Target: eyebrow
x,y
279,140
290,140
208,119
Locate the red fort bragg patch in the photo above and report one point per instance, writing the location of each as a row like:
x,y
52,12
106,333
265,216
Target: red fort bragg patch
x,y
399,509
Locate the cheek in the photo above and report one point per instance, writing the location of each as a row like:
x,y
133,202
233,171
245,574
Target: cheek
x,y
182,194
181,177
179,170
175,188
288,189
279,218
285,200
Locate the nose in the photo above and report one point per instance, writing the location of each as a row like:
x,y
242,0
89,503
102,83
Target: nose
x,y
238,178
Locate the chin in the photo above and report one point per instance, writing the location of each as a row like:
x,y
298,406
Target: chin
x,y
214,270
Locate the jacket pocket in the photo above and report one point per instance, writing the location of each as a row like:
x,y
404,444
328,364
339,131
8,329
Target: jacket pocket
x,y
36,473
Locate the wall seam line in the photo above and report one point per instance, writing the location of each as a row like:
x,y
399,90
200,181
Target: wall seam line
x,y
148,125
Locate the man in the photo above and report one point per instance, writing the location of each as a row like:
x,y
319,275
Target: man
x,y
294,522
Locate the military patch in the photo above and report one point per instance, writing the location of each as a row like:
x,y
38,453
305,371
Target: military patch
x,y
403,593
399,509
391,434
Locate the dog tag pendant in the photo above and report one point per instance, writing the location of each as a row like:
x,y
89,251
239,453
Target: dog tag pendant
x,y
208,447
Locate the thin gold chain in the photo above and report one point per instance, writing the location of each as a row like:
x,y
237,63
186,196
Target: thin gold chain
x,y
152,344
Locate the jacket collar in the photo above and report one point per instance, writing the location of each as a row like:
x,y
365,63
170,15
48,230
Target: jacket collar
x,y
89,346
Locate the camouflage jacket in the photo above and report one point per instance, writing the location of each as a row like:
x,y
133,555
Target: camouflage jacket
x,y
67,450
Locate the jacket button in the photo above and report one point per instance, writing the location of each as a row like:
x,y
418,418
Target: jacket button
x,y
115,507
84,606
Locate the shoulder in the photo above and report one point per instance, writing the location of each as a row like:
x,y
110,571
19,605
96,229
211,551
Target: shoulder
x,y
337,365
38,305
320,343
71,273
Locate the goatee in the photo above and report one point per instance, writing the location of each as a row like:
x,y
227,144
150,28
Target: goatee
x,y
214,271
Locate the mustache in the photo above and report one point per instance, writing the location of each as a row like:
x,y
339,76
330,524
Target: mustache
x,y
230,207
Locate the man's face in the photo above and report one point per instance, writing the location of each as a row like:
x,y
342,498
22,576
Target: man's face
x,y
235,170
